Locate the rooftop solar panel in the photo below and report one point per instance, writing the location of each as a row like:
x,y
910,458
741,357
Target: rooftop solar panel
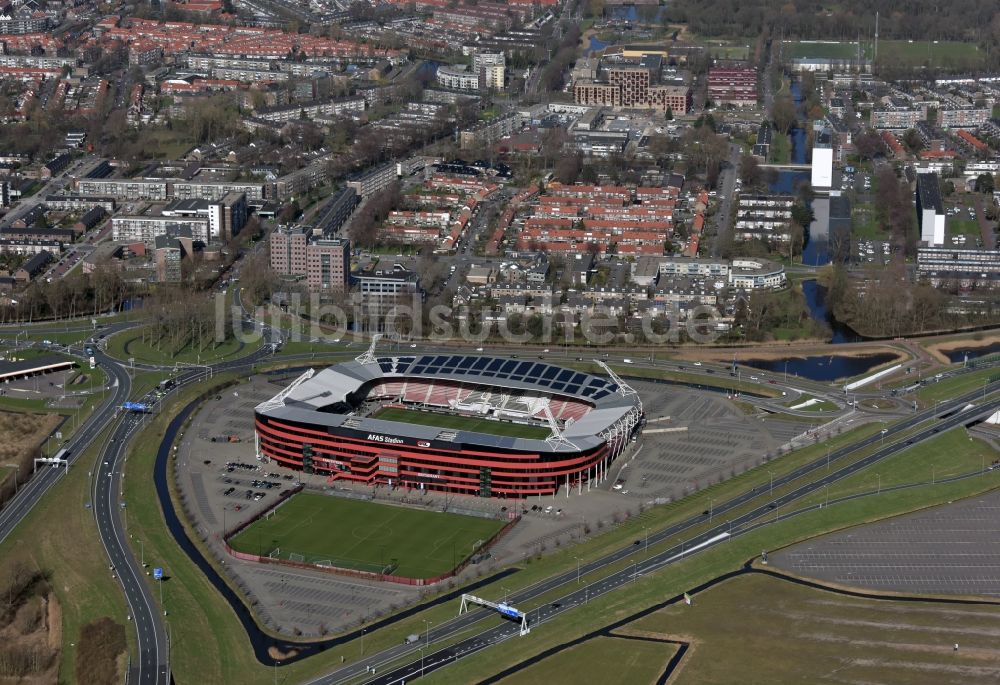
x,y
508,366
564,375
495,364
550,373
481,363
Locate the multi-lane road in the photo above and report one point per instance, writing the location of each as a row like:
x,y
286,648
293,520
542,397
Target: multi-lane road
x,y
151,663
767,511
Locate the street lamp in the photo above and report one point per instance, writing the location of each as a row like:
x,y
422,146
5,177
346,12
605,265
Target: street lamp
x,y
770,492
711,509
577,570
878,480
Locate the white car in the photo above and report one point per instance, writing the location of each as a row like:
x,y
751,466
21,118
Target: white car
x,y
697,363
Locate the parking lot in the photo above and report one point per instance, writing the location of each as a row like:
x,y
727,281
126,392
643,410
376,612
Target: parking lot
x,y
694,437
950,549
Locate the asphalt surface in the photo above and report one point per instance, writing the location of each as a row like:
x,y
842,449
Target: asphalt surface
x,y
152,662
954,413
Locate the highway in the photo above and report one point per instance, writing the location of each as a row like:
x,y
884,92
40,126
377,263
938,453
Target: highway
x,y
151,664
36,486
768,511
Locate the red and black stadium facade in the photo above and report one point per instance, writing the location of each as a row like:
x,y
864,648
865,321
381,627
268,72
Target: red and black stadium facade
x,y
327,423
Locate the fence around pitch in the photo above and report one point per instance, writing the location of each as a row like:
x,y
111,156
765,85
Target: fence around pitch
x,y
356,573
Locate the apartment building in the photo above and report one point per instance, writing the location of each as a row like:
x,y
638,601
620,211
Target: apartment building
x,y
145,228
325,263
457,78
373,180
633,87
963,118
124,188
313,110
965,268
215,190
733,86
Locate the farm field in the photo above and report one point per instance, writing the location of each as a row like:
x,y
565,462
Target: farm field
x,y
609,660
787,633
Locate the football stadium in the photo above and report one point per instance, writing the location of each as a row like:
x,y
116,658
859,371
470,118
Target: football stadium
x,y
466,424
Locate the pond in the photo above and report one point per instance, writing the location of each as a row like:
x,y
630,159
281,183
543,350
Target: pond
x,y
596,45
821,367
960,355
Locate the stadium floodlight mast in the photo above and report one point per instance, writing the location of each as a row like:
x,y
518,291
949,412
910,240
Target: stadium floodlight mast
x,y
369,356
279,399
556,439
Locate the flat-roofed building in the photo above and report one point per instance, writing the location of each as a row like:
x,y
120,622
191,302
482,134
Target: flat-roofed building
x,y
930,210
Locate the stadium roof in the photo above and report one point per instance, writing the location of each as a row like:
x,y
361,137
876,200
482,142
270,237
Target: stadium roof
x,y
335,383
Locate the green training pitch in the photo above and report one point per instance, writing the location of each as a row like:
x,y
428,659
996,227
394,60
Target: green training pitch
x,y
366,536
823,50
465,423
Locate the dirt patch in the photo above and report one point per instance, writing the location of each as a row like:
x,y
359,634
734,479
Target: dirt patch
x,y
28,653
938,349
279,655
101,642
22,434
54,621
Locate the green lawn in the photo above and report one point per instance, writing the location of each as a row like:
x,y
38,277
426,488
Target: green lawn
x,y
824,50
605,660
864,225
781,149
952,453
956,385
129,344
729,51
969,227
465,423
935,53
367,536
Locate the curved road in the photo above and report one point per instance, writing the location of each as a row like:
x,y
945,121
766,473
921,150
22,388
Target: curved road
x,y
152,664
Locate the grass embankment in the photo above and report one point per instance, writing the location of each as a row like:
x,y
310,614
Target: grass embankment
x,y
59,537
684,575
941,390
949,454
810,403
63,337
129,345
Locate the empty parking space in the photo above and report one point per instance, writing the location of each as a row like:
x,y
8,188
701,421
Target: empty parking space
x,y
952,549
